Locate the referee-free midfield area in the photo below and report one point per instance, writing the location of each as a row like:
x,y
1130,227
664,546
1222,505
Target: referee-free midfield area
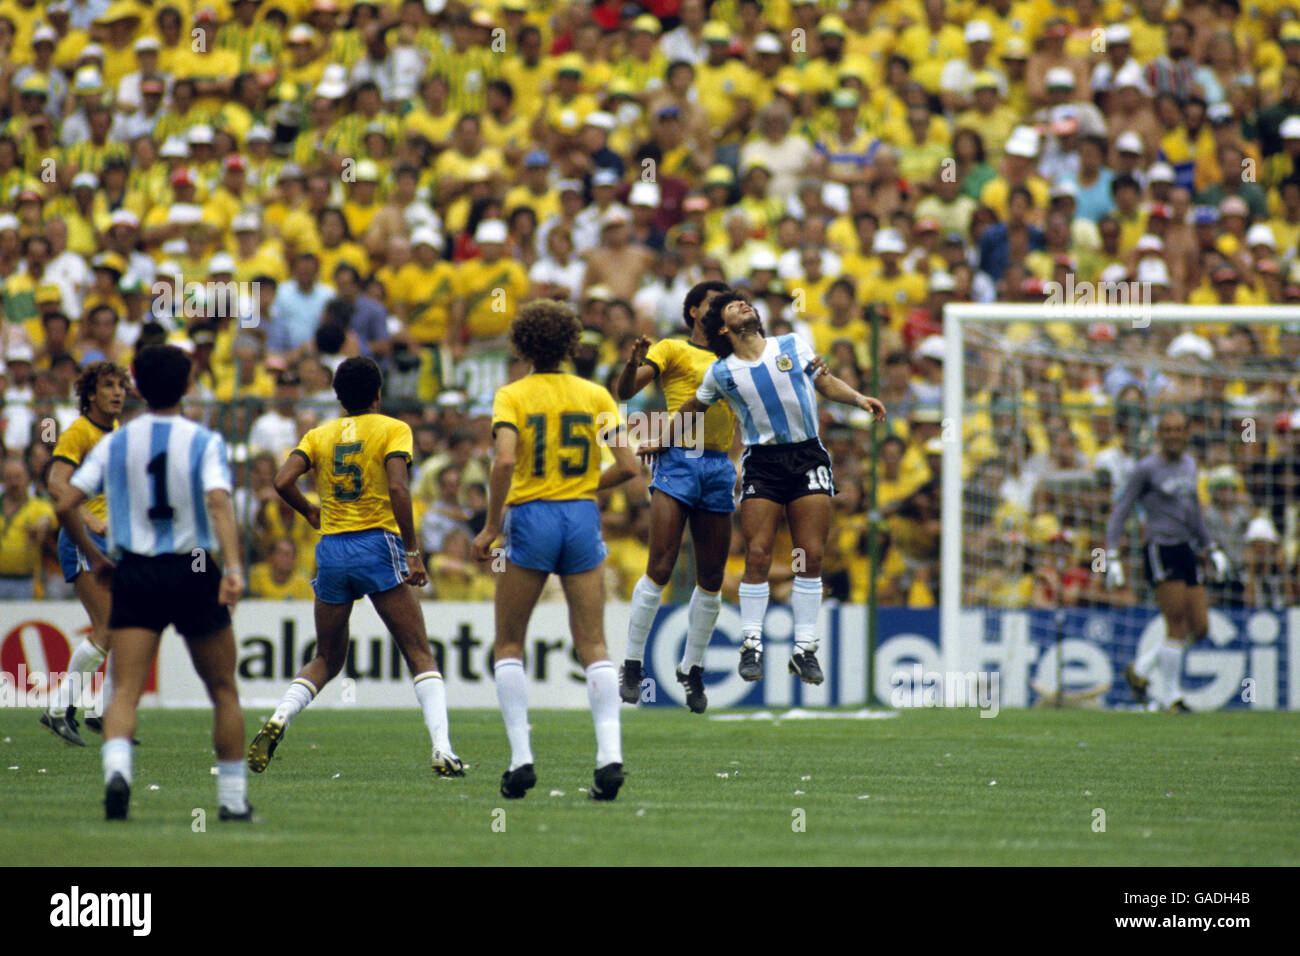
x,y
933,787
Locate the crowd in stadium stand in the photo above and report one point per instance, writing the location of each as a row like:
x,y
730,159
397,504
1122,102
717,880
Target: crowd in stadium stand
x,y
395,178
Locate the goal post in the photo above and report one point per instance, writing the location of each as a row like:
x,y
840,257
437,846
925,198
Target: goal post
x,y
1010,342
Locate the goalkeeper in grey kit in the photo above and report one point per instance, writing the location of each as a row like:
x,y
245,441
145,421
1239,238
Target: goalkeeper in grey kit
x,y
1175,537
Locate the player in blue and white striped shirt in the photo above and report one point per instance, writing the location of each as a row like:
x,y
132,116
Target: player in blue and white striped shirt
x,y
168,491
772,386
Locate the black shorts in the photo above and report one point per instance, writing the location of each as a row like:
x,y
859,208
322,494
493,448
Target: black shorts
x,y
783,473
152,592
1172,562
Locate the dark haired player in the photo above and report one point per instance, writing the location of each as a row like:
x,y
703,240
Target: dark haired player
x,y
168,490
546,471
367,547
1164,484
698,486
101,389
772,385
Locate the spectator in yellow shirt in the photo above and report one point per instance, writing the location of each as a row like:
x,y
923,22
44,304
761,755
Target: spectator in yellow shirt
x,y
489,290
278,577
25,522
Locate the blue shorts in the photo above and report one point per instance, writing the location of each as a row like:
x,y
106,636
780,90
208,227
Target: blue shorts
x,y
71,558
559,537
706,482
352,564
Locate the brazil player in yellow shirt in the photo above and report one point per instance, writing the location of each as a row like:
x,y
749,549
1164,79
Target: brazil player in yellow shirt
x,y
686,485
368,546
547,428
101,389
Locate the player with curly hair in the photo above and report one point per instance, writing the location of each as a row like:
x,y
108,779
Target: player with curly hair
x,y
542,501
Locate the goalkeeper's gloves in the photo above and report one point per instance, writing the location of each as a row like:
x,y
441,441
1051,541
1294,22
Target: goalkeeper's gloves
x,y
1114,571
1219,561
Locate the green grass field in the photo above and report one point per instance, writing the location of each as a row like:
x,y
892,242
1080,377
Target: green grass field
x,y
353,787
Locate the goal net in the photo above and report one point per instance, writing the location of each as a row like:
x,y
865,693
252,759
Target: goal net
x,y
1046,411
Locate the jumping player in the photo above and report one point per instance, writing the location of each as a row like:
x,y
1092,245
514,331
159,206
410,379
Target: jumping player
x,y
769,384
546,471
367,547
101,389
697,486
1164,484
168,494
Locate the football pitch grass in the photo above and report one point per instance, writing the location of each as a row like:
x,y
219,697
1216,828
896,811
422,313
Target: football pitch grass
x,y
934,787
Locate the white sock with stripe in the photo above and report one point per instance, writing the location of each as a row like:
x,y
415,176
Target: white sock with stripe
x,y
1170,664
806,605
232,785
115,756
645,605
701,616
299,694
1146,663
753,608
431,692
512,695
602,694
81,672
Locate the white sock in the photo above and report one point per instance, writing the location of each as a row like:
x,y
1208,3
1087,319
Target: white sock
x,y
116,758
512,695
645,604
753,608
806,605
602,693
299,694
1147,662
81,672
700,619
232,785
431,692
106,691
1170,664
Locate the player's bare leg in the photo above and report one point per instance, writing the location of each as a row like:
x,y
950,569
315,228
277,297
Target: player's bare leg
x,y
1196,615
134,649
399,609
585,594
517,592
667,522
758,520
331,653
810,519
214,662
1172,599
60,718
711,534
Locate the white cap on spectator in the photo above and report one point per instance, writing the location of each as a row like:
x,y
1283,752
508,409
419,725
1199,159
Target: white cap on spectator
x,y
1152,271
1064,187
767,43
258,134
424,237
200,133
888,240
1161,173
1119,33
1114,273
169,268
45,34
491,230
941,281
174,147
569,186
1261,234
1261,529
605,176
20,352
146,43
91,51
1058,77
85,180
185,214
615,216
930,347
245,222
1290,128
301,33
1150,243
177,247
221,262
1023,141
1189,343
978,31
1130,74
762,258
644,194
601,120
1128,142
87,80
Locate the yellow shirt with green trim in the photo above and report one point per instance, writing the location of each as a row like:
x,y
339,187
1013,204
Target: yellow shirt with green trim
x,y
19,554
680,365
350,456
74,445
493,293
562,421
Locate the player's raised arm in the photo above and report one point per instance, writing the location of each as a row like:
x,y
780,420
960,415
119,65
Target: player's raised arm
x,y
637,373
676,432
837,390
506,443
286,486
